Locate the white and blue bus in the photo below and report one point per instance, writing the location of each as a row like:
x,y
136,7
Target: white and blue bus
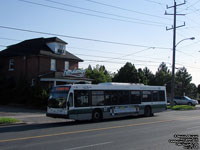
x,y
105,100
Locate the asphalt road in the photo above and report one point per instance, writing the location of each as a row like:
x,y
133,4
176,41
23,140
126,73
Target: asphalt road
x,y
132,133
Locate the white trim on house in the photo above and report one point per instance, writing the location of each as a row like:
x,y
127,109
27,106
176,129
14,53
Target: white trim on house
x,y
11,64
53,65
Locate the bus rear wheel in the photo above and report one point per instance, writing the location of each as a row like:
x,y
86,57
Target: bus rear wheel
x,y
96,115
147,111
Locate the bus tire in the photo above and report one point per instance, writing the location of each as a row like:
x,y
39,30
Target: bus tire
x,y
97,115
147,111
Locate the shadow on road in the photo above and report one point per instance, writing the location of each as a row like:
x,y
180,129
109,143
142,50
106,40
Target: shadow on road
x,y
27,127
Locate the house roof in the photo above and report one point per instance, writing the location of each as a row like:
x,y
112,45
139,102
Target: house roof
x,y
36,46
55,39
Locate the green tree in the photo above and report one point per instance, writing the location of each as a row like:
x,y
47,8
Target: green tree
x,y
163,76
192,91
149,76
198,88
183,79
127,74
141,76
99,74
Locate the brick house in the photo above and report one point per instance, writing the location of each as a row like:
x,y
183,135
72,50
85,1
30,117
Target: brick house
x,y
42,60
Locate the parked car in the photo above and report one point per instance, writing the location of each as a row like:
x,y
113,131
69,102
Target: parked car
x,y
184,100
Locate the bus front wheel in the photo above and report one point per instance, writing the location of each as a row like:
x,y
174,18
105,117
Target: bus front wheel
x,y
147,111
96,115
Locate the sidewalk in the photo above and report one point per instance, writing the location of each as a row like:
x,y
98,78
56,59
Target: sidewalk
x,y
28,116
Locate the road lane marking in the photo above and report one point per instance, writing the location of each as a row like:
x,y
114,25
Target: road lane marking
x,y
86,146
82,131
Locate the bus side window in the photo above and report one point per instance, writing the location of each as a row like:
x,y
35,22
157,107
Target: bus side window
x,y
146,96
135,97
98,98
71,100
111,97
155,95
161,96
123,97
81,98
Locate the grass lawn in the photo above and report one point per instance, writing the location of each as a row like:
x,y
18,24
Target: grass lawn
x,y
8,120
181,107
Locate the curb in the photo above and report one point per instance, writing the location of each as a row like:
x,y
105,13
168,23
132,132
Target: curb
x,y
12,124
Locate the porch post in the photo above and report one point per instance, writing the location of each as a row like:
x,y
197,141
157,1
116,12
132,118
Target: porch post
x,y
54,83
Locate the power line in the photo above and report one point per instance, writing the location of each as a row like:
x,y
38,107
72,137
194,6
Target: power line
x,y
185,53
107,61
132,53
78,38
3,46
9,39
4,38
109,52
94,50
125,9
155,2
85,49
119,58
115,62
83,13
100,51
193,4
105,13
105,51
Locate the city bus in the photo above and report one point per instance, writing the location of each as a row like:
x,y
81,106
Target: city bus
x,y
105,100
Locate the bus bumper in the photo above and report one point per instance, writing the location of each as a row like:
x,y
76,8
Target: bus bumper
x,y
57,115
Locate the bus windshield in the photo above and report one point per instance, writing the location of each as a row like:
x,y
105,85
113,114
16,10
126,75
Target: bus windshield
x,y
58,97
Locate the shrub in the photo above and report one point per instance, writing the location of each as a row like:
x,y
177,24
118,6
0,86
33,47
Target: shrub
x,y
181,107
8,120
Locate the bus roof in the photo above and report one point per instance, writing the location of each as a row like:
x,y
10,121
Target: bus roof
x,y
109,86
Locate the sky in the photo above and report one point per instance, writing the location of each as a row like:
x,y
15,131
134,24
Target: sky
x,y
121,30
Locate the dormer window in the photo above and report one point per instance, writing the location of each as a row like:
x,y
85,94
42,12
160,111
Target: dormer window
x,y
61,46
61,49
57,48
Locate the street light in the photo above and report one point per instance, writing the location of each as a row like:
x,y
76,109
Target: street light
x,y
192,38
173,67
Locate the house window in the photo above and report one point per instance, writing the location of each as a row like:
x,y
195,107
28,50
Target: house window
x,y
33,82
53,65
11,64
66,65
61,49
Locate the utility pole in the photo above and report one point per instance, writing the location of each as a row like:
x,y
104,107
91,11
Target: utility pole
x,y
174,45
